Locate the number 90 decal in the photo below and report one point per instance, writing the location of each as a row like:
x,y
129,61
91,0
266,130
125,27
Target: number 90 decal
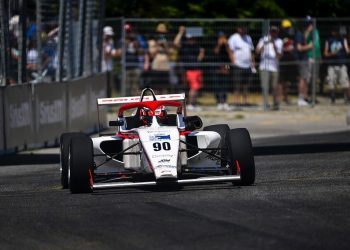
x,y
157,146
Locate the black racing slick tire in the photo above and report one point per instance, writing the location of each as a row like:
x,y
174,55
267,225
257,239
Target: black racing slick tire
x,y
222,130
80,168
64,152
241,155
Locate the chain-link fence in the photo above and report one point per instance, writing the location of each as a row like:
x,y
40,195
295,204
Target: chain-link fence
x,y
207,57
50,40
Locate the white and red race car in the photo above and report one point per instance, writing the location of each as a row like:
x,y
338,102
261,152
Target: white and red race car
x,y
155,144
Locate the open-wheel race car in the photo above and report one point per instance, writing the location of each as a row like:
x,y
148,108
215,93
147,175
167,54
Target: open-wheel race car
x,y
155,144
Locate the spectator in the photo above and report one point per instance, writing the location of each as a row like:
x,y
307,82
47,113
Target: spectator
x,y
335,51
287,73
157,59
314,55
302,48
133,71
222,71
109,52
32,60
270,50
242,59
191,54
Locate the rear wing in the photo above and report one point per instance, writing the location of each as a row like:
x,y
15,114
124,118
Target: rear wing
x,y
132,99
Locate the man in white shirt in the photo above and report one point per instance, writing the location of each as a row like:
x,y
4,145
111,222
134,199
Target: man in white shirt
x,y
242,59
270,48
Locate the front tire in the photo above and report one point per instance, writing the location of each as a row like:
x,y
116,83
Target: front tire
x,y
80,169
241,155
64,152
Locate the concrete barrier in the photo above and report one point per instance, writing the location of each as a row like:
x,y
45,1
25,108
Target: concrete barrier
x,y
2,130
98,89
19,119
33,116
50,112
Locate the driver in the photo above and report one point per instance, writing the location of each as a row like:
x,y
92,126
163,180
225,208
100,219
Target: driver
x,y
146,117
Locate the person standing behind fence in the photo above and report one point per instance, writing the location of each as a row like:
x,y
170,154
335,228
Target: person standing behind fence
x,y
109,52
314,55
222,71
132,68
191,54
288,71
242,59
157,62
302,48
270,49
335,50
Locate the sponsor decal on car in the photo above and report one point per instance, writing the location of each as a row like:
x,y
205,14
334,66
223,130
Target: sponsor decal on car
x,y
159,137
165,166
163,156
164,160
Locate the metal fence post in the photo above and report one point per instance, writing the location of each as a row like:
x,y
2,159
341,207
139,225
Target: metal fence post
x,y
123,85
5,54
70,42
61,40
22,43
38,37
82,28
265,92
100,34
314,64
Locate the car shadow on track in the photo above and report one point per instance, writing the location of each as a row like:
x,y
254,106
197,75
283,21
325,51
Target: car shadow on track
x,y
300,148
29,159
167,189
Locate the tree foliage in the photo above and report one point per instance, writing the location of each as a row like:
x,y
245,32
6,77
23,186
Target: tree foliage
x,y
226,8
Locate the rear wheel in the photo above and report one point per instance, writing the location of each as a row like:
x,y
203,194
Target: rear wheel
x,y
64,152
241,155
80,168
222,130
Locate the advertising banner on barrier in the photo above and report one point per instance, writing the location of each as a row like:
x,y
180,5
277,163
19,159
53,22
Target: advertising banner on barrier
x,y
98,89
19,125
78,106
50,112
2,131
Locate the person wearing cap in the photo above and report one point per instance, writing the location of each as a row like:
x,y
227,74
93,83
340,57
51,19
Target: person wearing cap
x,y
335,51
288,70
242,59
270,50
109,52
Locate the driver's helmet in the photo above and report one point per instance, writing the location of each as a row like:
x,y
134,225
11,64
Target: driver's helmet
x,y
146,116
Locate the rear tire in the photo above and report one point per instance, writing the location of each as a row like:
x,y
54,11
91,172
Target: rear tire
x,y
80,168
222,130
240,151
64,152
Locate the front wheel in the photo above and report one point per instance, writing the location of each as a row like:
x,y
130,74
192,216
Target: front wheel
x,y
241,155
65,140
80,168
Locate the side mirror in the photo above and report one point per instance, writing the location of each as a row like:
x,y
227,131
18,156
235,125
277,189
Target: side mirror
x,y
116,123
193,122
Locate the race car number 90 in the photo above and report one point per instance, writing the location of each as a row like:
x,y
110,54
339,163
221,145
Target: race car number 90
x,y
157,146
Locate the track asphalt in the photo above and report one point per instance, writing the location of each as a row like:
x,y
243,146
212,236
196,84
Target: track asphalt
x,y
301,200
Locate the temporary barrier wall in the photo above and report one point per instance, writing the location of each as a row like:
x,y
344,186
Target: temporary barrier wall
x,y
50,112
18,116
33,116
